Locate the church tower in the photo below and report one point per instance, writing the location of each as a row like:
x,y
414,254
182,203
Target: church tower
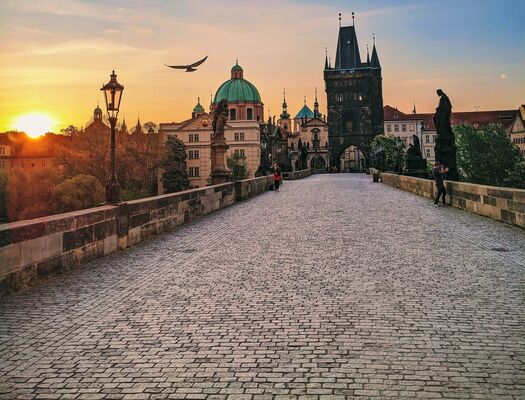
x,y
354,97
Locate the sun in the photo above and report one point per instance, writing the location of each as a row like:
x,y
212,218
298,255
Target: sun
x,y
34,124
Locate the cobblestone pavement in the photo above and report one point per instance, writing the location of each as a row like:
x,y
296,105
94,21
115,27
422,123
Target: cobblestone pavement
x,y
333,287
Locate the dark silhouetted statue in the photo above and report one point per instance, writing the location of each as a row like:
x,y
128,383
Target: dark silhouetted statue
x,y
445,148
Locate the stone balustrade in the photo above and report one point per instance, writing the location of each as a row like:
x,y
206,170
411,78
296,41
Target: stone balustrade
x,y
303,173
500,203
33,249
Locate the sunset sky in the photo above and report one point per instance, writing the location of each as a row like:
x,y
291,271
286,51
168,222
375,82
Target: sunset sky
x,y
56,54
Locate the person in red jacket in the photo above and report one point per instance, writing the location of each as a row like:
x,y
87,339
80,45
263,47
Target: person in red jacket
x,y
277,178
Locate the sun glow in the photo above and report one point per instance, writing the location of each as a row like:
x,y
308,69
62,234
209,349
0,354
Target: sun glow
x,y
34,124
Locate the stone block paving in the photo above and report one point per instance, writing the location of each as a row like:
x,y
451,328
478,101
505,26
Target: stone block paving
x,y
331,288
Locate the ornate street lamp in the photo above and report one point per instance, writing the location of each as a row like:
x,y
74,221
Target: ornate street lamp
x,y
113,94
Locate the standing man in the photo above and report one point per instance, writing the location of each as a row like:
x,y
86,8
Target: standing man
x,y
438,171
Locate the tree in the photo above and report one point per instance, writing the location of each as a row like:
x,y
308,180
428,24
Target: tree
x,y
485,155
516,177
4,180
237,164
174,177
393,152
79,192
71,130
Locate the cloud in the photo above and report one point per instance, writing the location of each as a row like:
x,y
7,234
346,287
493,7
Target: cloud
x,y
503,76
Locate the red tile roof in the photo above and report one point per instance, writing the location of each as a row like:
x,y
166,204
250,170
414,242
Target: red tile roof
x,y
476,118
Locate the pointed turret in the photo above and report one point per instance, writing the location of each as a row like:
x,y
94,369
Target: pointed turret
x,y
347,56
284,114
375,58
326,59
367,56
414,110
316,106
138,127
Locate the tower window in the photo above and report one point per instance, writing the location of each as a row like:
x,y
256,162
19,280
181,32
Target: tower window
x,y
233,114
249,113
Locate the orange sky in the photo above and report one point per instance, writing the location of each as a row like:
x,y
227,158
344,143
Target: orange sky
x,y
56,54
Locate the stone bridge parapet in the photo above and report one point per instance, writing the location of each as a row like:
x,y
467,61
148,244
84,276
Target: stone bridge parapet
x,y
499,203
33,249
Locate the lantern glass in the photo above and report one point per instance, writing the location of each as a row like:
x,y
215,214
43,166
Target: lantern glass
x,y
113,95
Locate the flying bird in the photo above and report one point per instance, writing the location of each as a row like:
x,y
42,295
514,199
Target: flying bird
x,y
190,67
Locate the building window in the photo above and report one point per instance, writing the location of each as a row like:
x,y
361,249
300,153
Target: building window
x,y
32,164
194,137
428,152
389,128
404,127
433,138
193,154
2,163
239,136
43,164
412,127
427,138
249,113
233,114
396,128
2,151
239,153
193,171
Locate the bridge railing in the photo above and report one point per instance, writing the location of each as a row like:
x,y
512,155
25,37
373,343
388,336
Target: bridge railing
x,y
499,203
303,173
33,249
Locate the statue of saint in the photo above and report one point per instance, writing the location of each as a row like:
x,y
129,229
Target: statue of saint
x,y
417,146
220,116
443,112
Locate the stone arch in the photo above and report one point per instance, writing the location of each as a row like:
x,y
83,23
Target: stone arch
x,y
352,158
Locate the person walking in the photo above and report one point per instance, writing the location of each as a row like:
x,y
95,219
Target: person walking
x,y
438,172
277,178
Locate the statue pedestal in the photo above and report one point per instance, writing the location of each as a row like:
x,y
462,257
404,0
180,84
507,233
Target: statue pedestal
x,y
417,167
219,171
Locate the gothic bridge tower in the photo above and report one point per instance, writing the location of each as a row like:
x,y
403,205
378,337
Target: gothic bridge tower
x,y
354,97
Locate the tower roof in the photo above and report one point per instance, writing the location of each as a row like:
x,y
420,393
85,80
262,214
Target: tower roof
x,y
347,56
198,107
304,112
374,62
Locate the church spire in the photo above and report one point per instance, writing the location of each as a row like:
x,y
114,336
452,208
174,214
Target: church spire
x,y
284,114
367,55
326,58
414,110
316,105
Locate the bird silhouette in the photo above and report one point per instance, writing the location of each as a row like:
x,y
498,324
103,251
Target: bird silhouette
x,y
190,67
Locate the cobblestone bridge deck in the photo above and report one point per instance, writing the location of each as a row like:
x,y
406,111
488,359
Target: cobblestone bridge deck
x,y
332,287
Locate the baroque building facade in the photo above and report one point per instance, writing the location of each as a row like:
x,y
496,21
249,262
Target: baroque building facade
x,y
242,131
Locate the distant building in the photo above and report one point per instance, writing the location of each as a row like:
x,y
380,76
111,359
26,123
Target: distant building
x,y
246,113
97,125
399,124
309,129
517,130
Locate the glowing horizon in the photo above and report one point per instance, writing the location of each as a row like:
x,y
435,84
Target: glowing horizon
x,y
56,54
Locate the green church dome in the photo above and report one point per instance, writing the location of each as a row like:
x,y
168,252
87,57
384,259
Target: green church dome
x,y
198,108
237,89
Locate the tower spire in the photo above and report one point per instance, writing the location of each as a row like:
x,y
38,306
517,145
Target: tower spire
x,y
316,105
284,114
367,55
353,19
339,20
414,110
326,58
375,58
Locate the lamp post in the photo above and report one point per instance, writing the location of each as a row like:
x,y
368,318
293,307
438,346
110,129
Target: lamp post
x,y
112,94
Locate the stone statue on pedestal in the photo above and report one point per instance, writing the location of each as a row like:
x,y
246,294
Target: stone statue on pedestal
x,y
445,148
416,164
219,171
220,116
